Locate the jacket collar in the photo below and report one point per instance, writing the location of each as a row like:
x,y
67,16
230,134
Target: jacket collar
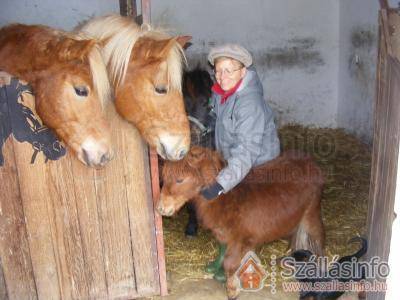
x,y
225,94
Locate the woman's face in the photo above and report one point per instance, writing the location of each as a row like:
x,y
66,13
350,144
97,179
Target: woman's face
x,y
228,72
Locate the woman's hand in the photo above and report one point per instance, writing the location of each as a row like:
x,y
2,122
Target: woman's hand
x,y
212,192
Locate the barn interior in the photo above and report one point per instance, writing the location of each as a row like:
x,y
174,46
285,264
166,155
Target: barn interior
x,y
317,61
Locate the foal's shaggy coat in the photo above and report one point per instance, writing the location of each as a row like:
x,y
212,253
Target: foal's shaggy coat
x,y
278,200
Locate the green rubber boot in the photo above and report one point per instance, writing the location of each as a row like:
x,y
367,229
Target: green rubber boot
x,y
220,275
214,266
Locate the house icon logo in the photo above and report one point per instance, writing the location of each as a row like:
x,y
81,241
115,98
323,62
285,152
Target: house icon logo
x,y
251,275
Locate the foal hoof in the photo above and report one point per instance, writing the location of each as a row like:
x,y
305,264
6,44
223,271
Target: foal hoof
x,y
234,298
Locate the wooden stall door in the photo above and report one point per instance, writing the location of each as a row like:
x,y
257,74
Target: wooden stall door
x,y
386,141
71,232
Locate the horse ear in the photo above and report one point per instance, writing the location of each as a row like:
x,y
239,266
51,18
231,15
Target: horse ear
x,y
206,161
69,49
195,156
183,40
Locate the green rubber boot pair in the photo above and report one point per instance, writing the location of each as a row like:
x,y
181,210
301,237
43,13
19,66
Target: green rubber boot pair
x,y
215,267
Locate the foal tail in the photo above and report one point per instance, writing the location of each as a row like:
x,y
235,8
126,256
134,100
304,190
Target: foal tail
x,y
311,239
310,233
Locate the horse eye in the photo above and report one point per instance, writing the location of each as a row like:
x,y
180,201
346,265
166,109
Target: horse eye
x,y
179,180
161,90
81,91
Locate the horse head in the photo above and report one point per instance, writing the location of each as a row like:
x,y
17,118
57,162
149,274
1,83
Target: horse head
x,y
196,87
183,180
70,82
146,69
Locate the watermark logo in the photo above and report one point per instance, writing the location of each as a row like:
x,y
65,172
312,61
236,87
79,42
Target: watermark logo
x,y
251,275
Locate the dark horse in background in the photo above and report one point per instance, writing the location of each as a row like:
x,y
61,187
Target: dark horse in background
x,y
17,118
196,90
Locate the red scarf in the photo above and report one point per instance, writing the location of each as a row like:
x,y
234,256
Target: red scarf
x,y
225,94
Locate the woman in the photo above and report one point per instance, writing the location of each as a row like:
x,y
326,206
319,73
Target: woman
x,y
245,132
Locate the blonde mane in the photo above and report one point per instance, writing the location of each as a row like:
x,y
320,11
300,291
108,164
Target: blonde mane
x,y
98,69
120,35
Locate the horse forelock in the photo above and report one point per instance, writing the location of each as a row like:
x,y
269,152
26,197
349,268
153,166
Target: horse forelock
x,y
99,75
120,35
175,60
178,169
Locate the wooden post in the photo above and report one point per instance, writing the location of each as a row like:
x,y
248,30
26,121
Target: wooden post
x,y
158,223
384,4
156,189
146,11
128,8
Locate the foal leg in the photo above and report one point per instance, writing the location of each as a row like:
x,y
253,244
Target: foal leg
x,y
233,257
192,225
315,228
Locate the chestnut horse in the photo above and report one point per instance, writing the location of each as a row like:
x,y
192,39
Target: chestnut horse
x,y
279,199
145,67
70,82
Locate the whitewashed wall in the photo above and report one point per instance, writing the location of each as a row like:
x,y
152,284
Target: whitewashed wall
x,y
357,66
316,59
56,13
296,60
301,48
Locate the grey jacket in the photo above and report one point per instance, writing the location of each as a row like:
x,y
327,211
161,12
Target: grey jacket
x,y
245,132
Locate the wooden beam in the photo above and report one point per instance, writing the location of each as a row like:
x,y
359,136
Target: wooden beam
x,y
146,11
158,222
128,8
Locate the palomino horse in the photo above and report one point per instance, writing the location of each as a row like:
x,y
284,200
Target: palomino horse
x,y
70,83
280,199
145,67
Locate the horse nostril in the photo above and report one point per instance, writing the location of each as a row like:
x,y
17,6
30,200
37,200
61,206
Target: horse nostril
x,y
163,150
182,154
104,159
85,156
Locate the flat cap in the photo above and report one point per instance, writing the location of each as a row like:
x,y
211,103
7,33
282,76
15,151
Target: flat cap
x,y
234,51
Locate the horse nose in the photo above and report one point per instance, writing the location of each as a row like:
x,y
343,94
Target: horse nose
x,y
173,147
160,208
95,153
183,153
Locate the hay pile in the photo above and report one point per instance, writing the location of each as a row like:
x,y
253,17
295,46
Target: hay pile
x,y
346,164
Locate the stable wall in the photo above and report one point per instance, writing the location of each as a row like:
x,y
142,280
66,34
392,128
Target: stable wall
x,y
59,14
357,66
302,50
316,59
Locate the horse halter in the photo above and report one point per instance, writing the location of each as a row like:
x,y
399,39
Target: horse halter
x,y
204,129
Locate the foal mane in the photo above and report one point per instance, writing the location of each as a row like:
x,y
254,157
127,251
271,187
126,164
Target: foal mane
x,y
203,163
119,35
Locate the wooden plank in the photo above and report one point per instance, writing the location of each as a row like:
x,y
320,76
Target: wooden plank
x,y
89,224
146,12
35,198
3,287
66,235
158,223
386,142
114,218
14,247
138,185
379,142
